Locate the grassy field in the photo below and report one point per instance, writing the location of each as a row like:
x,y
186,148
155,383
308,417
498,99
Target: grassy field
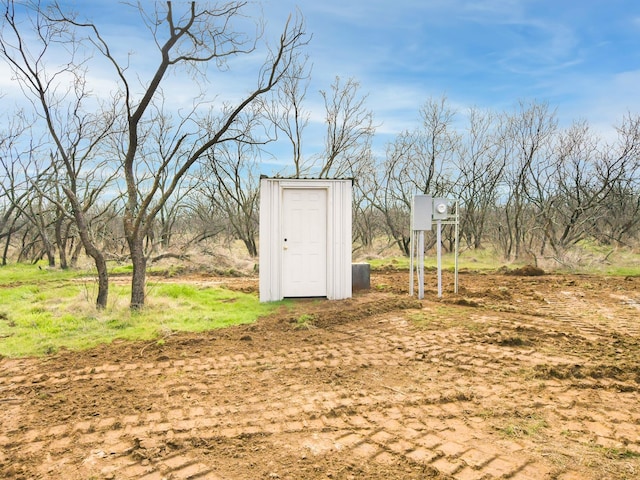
x,y
43,310
584,258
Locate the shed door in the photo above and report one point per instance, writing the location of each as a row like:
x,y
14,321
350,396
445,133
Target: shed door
x,y
304,242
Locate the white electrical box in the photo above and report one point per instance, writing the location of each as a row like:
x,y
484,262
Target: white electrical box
x,y
421,212
440,208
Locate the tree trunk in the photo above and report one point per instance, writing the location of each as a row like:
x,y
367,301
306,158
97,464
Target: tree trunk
x,y
101,266
61,241
138,279
51,254
6,248
92,250
103,281
7,244
63,258
103,275
404,243
252,248
75,253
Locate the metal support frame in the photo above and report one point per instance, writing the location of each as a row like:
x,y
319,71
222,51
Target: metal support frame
x,y
417,252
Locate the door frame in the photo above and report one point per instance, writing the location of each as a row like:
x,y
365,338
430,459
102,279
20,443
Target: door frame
x,y
283,206
339,218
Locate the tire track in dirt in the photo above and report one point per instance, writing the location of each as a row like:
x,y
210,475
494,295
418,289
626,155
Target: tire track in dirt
x,y
378,425
417,401
334,416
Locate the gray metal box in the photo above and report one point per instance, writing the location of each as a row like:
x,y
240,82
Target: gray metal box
x,y
440,208
360,276
421,212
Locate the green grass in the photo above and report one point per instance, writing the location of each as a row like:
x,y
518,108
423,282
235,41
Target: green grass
x,y
44,310
592,258
127,269
305,321
476,260
584,258
24,273
527,426
623,263
613,453
401,263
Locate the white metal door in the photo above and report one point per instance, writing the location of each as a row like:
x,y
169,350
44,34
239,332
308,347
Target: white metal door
x,y
304,242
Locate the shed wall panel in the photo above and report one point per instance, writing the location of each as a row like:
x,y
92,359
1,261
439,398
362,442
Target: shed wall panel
x,y
338,235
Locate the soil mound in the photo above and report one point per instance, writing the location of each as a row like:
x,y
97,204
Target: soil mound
x,y
526,271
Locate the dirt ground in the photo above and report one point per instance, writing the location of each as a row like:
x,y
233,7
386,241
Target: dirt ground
x,y
517,376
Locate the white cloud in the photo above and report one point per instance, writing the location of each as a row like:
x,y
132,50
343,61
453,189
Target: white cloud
x,y
613,98
489,53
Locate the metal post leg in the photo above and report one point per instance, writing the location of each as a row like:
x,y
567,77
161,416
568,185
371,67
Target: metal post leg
x,y
439,256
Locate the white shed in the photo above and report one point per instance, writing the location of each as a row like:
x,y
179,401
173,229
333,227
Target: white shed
x,y
305,238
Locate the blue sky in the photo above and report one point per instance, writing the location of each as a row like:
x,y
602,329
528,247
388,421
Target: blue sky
x,y
583,57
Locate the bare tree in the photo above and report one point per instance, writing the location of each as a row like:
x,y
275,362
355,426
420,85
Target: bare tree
x,y
204,220
41,214
481,163
396,186
416,163
201,35
619,173
10,218
367,221
288,114
58,96
230,184
13,190
531,129
619,224
436,146
25,177
189,40
563,194
34,215
349,129
570,186
171,213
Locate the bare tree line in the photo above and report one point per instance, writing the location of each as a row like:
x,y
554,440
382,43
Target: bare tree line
x,y
524,185
147,149
126,177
